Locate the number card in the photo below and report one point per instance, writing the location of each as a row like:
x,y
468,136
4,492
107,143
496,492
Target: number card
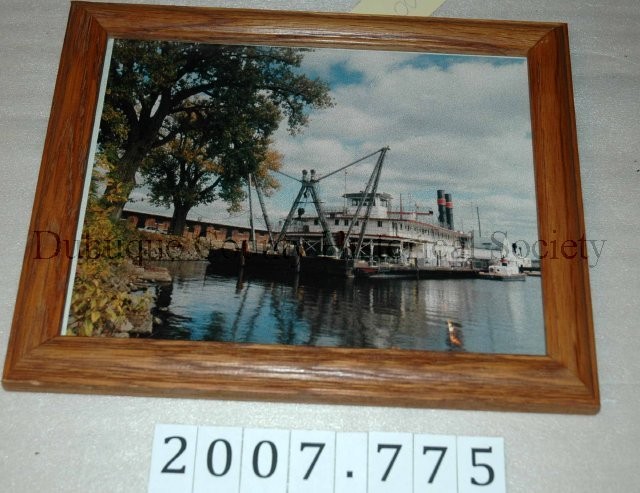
x,y
481,465
172,458
434,464
390,462
312,461
351,463
265,457
191,459
218,464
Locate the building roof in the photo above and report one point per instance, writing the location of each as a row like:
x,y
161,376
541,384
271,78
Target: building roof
x,y
360,194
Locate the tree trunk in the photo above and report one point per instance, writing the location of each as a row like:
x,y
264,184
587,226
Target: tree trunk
x,y
179,219
123,177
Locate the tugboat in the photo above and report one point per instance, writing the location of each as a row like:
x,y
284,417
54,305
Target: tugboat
x,y
507,269
504,271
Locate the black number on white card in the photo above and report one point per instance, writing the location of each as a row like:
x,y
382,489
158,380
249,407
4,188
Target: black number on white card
x,y
183,447
320,447
475,463
274,459
228,455
397,448
442,450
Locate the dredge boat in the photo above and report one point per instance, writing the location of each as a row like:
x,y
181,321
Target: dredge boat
x,y
366,238
370,239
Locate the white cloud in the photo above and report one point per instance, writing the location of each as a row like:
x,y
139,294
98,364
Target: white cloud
x,y
464,128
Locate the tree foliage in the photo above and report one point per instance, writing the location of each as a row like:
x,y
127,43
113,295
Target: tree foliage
x,y
183,174
222,102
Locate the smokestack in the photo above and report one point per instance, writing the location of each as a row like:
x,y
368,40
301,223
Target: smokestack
x,y
449,208
441,208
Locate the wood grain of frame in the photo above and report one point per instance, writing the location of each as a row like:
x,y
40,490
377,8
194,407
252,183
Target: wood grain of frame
x,y
564,381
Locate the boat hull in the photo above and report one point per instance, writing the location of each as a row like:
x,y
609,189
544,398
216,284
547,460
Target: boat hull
x,y
278,265
503,277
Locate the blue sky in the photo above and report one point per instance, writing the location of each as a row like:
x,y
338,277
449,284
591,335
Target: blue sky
x,y
340,73
460,123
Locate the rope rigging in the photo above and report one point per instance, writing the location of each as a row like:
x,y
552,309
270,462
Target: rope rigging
x,y
339,169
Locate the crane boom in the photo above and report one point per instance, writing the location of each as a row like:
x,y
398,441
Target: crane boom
x,y
264,210
308,188
372,182
377,170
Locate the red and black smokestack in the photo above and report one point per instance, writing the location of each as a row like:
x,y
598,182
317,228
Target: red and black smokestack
x,y
449,207
441,208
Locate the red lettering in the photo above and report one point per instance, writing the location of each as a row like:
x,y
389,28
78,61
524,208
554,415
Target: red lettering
x,y
38,244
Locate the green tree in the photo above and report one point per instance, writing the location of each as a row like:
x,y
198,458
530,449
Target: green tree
x,y
183,174
223,97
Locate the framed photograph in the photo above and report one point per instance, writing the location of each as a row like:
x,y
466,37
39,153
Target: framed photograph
x,y
309,207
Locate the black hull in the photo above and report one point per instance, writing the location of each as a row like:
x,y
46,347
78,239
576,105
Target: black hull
x,y
276,265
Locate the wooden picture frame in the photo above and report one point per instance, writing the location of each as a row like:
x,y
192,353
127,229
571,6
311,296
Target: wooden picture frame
x,y
564,380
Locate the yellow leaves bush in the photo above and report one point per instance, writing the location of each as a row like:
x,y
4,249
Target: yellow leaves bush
x,y
103,302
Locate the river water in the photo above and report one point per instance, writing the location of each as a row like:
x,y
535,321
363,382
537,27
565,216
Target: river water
x,y
487,316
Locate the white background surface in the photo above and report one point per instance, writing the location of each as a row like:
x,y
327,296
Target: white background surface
x,y
52,443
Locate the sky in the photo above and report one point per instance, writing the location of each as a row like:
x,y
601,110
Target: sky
x,y
458,123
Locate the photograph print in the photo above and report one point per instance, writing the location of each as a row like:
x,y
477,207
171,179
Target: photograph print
x,y
309,196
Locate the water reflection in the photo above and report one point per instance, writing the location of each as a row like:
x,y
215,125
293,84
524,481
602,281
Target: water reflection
x,y
474,315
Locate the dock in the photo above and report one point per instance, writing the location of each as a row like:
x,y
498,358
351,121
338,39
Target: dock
x,y
412,272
